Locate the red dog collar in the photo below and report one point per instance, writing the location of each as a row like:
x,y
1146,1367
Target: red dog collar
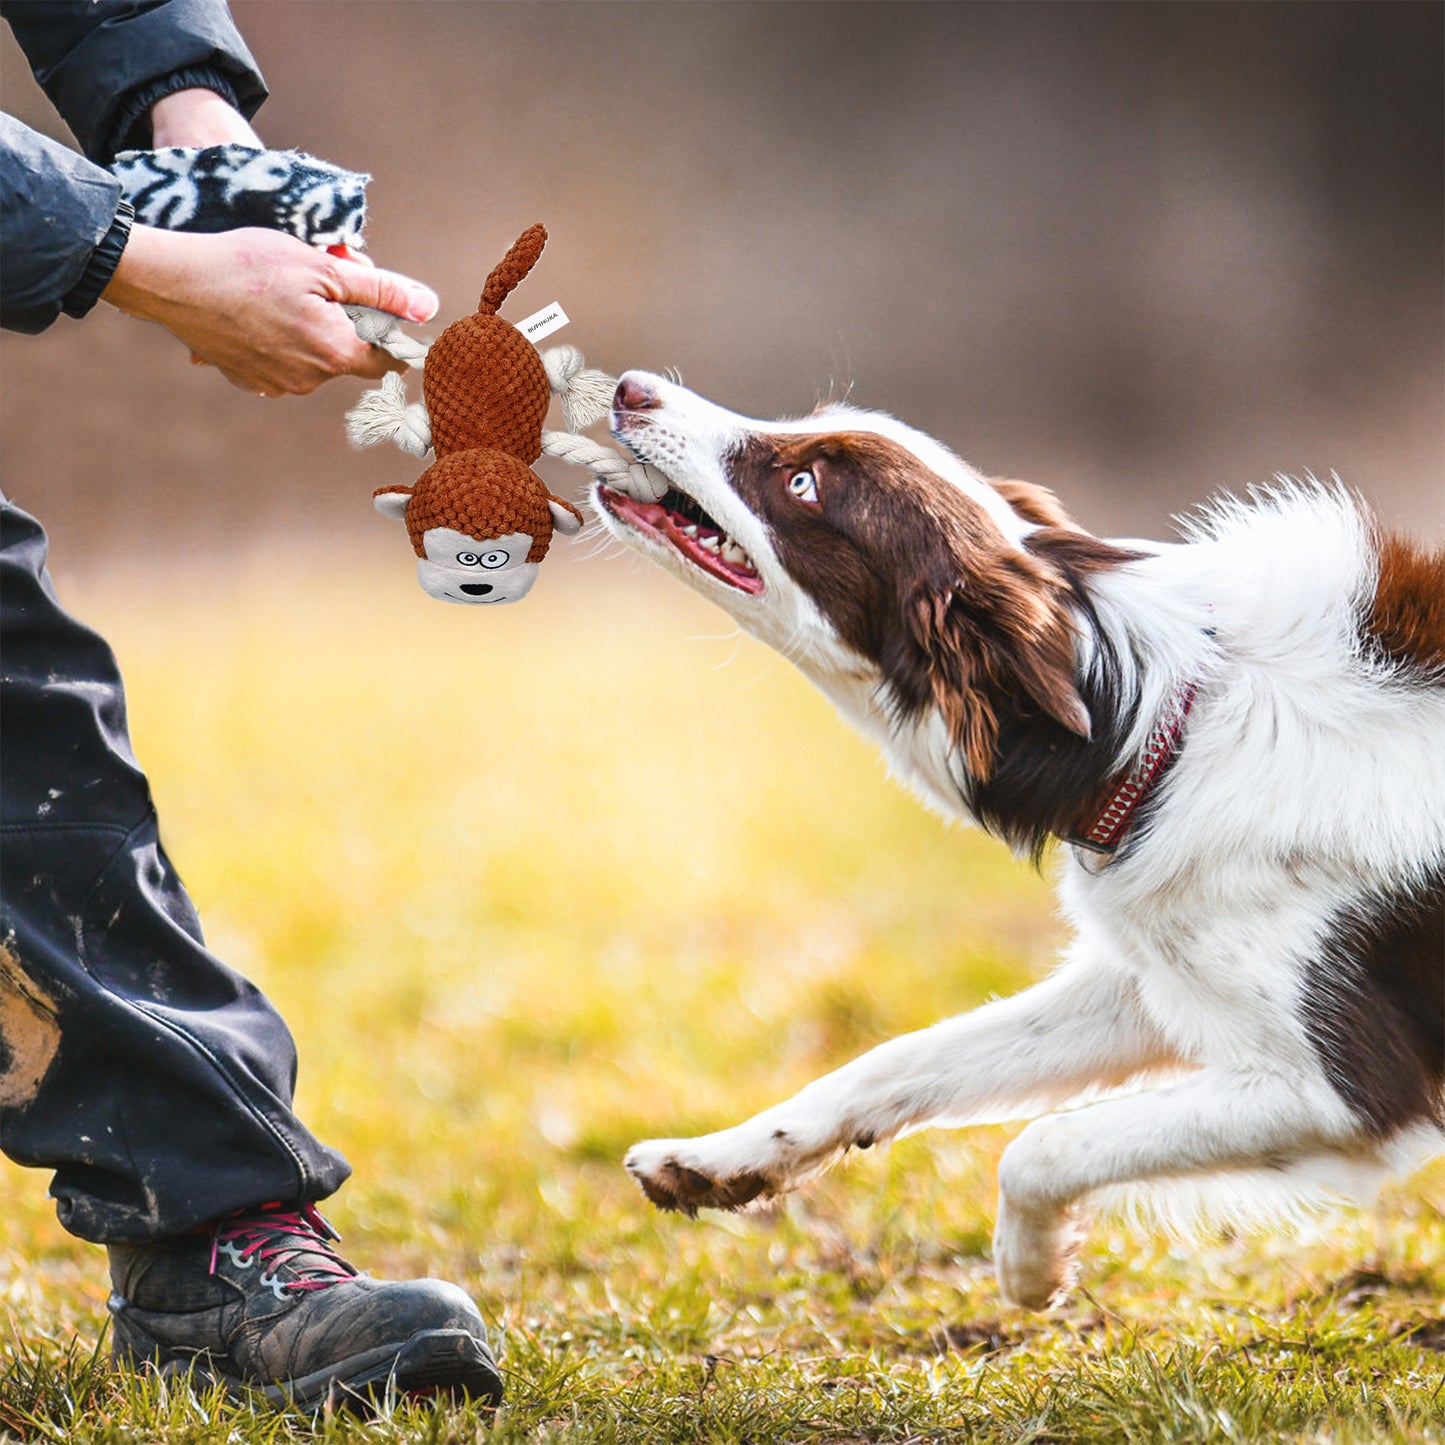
x,y
1104,833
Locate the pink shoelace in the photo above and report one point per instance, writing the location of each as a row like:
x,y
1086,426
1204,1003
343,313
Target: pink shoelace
x,y
275,1237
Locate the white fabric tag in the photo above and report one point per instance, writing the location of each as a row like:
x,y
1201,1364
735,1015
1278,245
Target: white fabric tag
x,y
544,322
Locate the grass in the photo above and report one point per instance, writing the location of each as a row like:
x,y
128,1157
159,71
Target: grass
x,y
532,884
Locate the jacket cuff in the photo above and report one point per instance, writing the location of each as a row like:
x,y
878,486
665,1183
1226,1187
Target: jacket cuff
x,y
101,266
131,129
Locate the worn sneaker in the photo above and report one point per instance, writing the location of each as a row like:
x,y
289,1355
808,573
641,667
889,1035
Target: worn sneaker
x,y
261,1301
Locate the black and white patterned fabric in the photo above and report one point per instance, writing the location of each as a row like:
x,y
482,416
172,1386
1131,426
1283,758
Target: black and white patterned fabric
x,y
221,188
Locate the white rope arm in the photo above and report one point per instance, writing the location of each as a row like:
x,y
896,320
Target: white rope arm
x,y
382,415
633,479
380,328
586,395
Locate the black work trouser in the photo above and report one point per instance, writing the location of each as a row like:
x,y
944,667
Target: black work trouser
x,y
154,1081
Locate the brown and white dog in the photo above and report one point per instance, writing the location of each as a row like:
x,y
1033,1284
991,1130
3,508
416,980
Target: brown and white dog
x,y
1239,738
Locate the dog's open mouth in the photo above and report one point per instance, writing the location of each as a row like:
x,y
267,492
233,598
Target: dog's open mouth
x,y
680,522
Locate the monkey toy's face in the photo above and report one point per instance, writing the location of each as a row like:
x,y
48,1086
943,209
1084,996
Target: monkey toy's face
x,y
458,568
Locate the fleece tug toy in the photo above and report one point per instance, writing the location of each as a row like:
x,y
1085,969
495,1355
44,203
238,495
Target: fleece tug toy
x,y
479,518
220,188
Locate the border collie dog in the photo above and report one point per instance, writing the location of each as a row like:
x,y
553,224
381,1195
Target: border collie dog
x,y
1239,740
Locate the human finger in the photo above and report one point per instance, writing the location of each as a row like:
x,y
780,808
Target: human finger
x,y
347,352
390,291
375,363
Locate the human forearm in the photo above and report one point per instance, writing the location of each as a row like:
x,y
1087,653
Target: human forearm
x,y
197,117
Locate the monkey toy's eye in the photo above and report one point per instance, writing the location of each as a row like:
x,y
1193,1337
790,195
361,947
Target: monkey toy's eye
x,y
469,559
804,486
495,559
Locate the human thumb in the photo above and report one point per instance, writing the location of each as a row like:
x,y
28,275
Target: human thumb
x,y
390,291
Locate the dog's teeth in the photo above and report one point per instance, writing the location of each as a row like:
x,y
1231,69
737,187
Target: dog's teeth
x,y
711,542
733,553
689,531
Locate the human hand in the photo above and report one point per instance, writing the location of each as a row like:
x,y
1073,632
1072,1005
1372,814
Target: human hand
x,y
263,307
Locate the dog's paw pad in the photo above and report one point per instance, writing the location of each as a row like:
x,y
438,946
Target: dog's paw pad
x,y
671,1184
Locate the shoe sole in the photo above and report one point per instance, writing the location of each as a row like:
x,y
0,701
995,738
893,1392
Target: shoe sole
x,y
431,1362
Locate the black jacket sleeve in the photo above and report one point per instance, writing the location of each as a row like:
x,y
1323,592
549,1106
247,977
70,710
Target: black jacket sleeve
x,y
104,63
63,223
63,226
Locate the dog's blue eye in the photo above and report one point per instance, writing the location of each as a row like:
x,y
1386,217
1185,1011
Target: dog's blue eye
x,y
804,486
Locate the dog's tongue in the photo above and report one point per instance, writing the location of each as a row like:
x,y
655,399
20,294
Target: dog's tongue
x,y
723,559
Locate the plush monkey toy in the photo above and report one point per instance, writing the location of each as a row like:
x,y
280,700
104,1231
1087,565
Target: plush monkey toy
x,y
479,518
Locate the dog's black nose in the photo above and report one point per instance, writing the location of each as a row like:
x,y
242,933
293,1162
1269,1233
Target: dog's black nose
x,y
476,589
634,395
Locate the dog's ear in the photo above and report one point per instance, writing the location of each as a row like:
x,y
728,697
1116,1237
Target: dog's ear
x,y
1047,673
988,645
946,671
1034,503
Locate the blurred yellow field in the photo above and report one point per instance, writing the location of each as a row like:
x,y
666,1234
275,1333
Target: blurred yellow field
x,y
531,884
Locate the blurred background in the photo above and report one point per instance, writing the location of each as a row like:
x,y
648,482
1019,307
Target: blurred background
x,y
1135,252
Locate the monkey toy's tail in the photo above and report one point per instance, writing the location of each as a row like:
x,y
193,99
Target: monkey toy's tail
x,y
512,268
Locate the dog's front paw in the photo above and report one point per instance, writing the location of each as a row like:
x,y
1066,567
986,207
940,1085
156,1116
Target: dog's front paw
x,y
673,1175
